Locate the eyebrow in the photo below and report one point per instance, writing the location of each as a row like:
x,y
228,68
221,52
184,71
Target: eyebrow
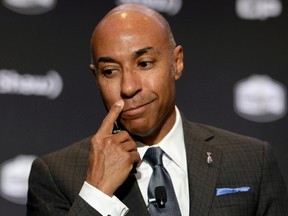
x,y
105,59
142,51
135,54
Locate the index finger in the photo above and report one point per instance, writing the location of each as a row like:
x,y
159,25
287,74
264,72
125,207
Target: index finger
x,y
108,122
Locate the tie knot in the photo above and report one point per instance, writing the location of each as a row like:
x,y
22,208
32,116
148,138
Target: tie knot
x,y
154,156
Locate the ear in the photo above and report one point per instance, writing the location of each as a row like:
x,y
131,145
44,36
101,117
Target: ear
x,y
178,62
93,69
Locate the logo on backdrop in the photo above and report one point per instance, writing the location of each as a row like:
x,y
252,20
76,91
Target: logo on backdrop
x,y
258,9
14,175
171,7
50,85
30,7
259,98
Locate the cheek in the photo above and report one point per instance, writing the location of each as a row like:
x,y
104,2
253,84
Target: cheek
x,y
160,80
109,92
165,82
168,90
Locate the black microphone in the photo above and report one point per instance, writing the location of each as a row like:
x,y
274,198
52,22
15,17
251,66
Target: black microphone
x,y
161,196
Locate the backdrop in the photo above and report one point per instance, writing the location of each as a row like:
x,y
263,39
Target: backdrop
x,y
235,77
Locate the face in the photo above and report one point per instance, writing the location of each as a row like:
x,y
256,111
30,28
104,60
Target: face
x,y
134,62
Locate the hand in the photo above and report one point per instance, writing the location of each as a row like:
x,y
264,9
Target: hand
x,y
112,155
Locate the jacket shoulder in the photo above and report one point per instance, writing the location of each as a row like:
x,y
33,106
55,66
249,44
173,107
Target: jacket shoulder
x,y
72,152
67,167
223,138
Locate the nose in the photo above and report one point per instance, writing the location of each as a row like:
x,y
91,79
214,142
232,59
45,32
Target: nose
x,y
130,84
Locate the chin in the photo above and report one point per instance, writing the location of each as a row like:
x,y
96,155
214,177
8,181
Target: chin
x,y
142,127
142,133
136,129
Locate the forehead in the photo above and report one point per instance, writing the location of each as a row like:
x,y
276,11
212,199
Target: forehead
x,y
128,30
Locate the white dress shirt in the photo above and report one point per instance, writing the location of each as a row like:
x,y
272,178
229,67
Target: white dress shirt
x,y
174,161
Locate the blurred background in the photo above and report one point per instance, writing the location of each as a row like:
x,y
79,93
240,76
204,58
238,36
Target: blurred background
x,y
235,77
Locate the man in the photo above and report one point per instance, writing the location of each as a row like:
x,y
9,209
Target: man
x,y
214,172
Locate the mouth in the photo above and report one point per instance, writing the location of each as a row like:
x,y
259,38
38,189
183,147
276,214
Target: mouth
x,y
136,111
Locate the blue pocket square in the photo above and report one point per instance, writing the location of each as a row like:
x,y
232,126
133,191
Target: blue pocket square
x,y
223,191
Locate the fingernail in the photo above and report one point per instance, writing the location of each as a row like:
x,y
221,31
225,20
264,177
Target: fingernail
x,y
119,103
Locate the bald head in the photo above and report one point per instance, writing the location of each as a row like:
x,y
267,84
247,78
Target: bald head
x,y
145,11
129,17
133,7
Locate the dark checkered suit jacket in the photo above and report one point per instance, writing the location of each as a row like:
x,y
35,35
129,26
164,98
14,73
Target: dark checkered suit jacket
x,y
238,161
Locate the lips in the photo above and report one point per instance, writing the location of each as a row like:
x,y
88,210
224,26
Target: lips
x,y
135,112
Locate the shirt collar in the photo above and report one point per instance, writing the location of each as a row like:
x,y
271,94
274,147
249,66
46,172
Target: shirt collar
x,y
172,144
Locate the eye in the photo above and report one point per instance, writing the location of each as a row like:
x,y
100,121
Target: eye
x,y
109,72
145,64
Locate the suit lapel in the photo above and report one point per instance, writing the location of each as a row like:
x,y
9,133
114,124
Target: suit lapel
x,y
202,175
130,194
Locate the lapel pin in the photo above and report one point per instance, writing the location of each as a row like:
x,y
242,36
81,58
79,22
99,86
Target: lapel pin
x,y
209,158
